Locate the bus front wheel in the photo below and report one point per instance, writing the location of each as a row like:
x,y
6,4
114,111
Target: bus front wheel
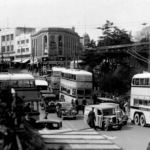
x,y
142,120
136,119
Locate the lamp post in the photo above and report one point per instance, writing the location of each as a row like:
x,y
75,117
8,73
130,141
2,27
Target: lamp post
x,y
148,48
32,60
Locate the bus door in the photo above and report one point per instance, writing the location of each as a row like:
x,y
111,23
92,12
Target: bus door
x,y
98,115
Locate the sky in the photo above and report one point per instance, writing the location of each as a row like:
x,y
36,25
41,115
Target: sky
x,y
84,15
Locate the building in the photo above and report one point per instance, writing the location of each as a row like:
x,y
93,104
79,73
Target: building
x,y
55,46
84,41
15,44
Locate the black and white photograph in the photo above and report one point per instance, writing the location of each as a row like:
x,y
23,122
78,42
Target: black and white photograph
x,y
75,75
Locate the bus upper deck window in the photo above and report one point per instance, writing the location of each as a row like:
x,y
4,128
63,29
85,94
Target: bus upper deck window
x,y
80,92
136,81
142,82
87,92
147,81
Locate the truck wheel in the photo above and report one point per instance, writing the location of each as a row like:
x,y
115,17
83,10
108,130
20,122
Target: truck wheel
x,y
125,123
119,127
105,126
136,119
142,120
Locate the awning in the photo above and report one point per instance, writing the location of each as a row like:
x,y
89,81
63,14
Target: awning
x,y
25,60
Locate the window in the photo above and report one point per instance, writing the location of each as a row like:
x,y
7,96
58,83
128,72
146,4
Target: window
x,y
80,92
3,48
147,81
141,81
145,103
18,50
12,36
23,50
18,42
73,91
22,41
87,92
140,102
136,81
3,38
27,41
99,112
7,48
136,102
27,49
7,37
12,48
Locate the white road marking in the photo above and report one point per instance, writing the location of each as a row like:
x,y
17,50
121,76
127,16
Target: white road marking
x,y
108,137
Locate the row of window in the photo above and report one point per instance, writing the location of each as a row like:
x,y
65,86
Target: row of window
x,y
8,48
142,81
18,84
23,50
138,102
68,76
23,41
78,92
7,37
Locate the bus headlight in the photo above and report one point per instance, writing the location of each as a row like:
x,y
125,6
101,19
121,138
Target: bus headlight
x,y
74,111
66,111
110,120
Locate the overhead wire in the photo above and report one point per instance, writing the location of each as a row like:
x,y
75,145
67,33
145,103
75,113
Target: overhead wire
x,y
140,55
137,57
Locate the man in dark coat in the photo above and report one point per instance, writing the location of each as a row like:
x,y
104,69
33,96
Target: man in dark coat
x,y
92,119
77,105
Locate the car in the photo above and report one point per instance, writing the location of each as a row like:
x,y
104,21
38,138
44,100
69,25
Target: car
x,y
48,123
105,100
119,112
106,117
48,102
65,110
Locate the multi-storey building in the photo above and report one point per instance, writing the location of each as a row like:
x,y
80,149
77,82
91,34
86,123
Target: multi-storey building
x,y
57,46
9,41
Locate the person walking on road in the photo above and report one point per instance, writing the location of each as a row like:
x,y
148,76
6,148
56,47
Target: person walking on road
x,y
92,118
84,103
77,105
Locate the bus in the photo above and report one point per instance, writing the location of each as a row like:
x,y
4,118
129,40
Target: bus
x,y
140,99
24,87
55,79
77,64
76,84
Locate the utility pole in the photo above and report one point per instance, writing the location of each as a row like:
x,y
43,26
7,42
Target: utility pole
x,y
32,59
148,54
21,57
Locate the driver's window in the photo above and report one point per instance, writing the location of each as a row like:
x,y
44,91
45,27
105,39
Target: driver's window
x,y
99,112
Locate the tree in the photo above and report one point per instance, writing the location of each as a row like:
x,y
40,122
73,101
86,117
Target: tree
x,y
91,44
112,35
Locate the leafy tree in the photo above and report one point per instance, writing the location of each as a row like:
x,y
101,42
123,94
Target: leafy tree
x,y
112,35
91,44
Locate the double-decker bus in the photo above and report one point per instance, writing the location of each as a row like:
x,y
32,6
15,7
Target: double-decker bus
x,y
77,64
76,84
55,79
140,99
24,87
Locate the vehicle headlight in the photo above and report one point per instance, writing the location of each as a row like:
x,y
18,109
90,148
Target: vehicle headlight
x,y
63,112
66,111
74,111
110,120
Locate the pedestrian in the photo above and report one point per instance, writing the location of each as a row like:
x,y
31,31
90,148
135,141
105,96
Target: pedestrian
x,y
77,105
92,118
46,115
84,103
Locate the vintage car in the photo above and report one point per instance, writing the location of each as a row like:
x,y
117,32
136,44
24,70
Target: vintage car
x,y
48,102
105,116
106,100
119,112
65,110
48,123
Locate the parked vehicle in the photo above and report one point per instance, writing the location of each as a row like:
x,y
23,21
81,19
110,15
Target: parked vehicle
x,y
48,102
65,110
106,117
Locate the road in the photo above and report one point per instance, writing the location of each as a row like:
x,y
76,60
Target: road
x,y
131,137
